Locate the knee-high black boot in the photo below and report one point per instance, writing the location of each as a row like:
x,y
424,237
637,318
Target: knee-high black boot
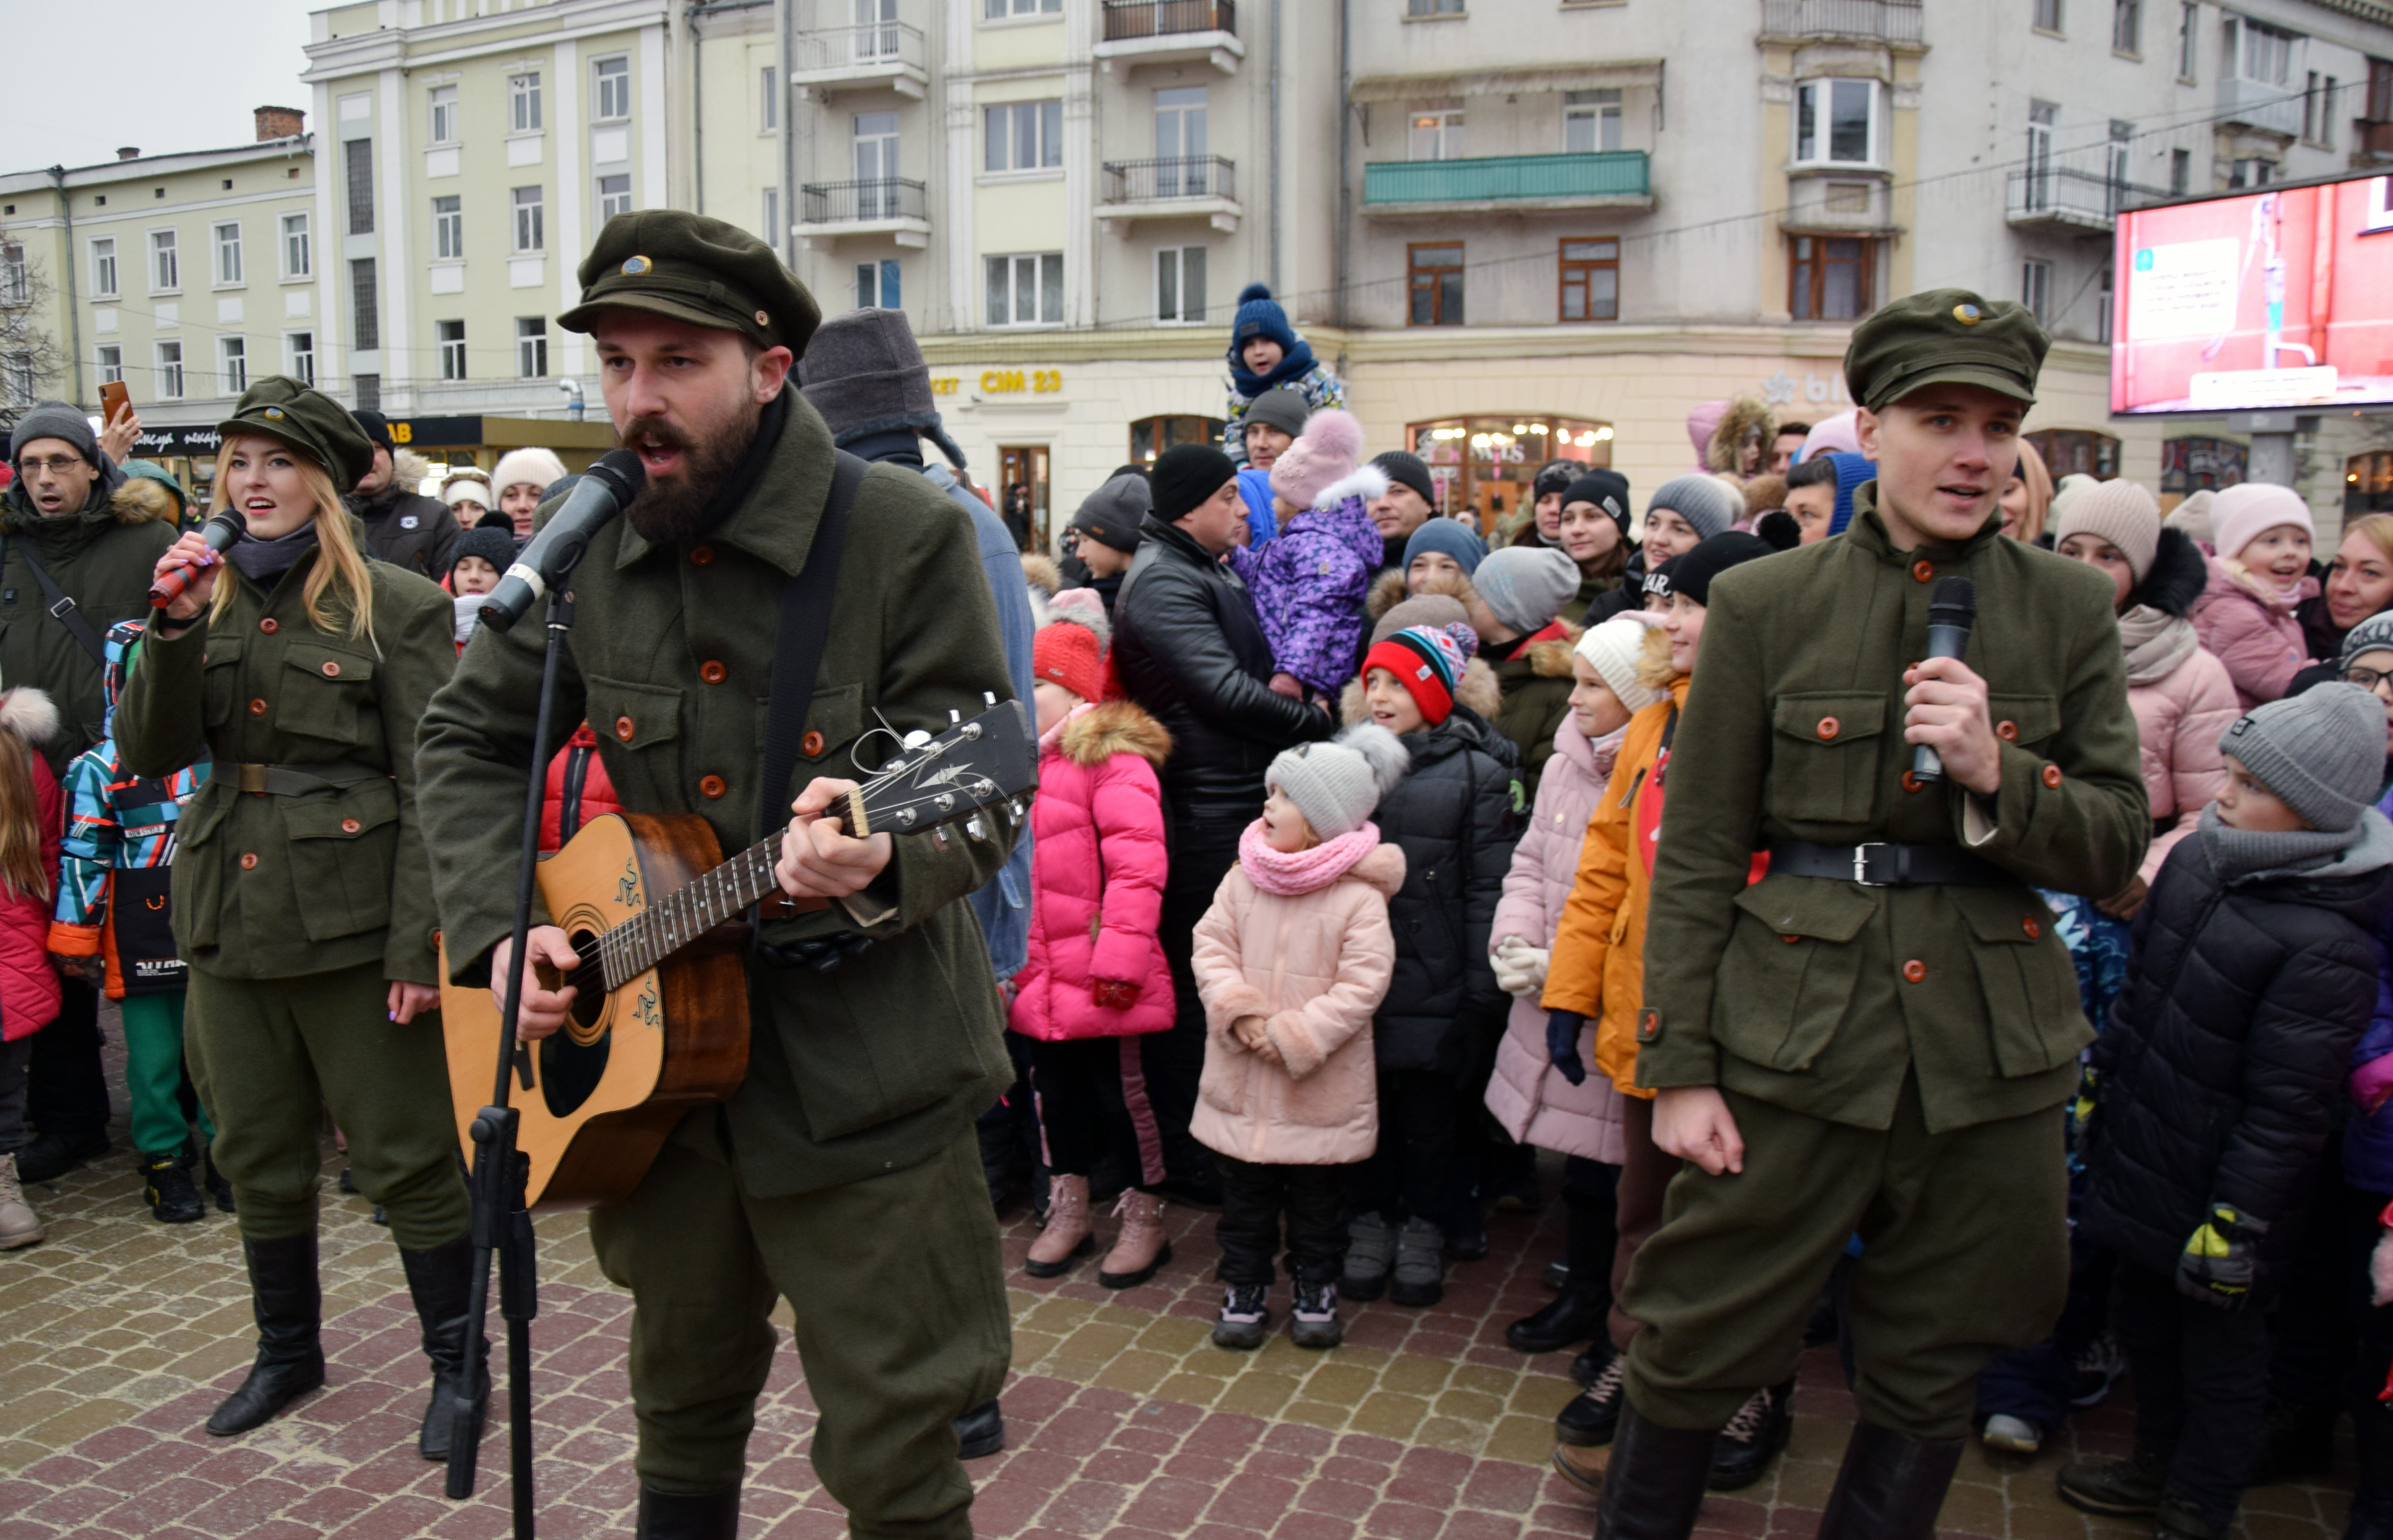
x,y
1579,1312
439,1282
290,1354
1655,1482
687,1516
1889,1487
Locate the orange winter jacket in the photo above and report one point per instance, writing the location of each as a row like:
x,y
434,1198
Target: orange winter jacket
x,y
1597,967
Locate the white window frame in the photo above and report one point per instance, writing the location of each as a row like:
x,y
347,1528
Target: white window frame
x,y
297,242
103,250
1002,137
448,228
223,256
16,276
1020,10
536,227
2035,288
610,88
450,349
1822,92
108,362
1041,262
614,200
299,356
441,116
165,261
2127,27
168,374
523,103
2188,40
873,281
774,233
2243,34
17,379
2048,16
770,92
1446,126
232,364
1173,262
1602,112
531,347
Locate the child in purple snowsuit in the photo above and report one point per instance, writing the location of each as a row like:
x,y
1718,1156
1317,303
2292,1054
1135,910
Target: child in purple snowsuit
x,y
1309,583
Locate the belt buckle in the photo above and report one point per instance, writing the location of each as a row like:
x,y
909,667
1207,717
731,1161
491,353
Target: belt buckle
x,y
1861,865
59,611
250,778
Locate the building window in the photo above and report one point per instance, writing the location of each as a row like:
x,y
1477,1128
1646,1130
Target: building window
x,y
2127,26
1180,284
2189,21
169,372
1436,7
103,267
165,264
1836,122
2041,116
450,335
2035,289
1025,290
1832,278
1591,121
227,247
232,364
299,356
1179,124
529,234
110,359
1435,136
357,164
2047,16
2262,55
365,328
297,261
15,276
2318,110
2252,173
448,228
876,285
1591,288
769,89
876,166
17,380
531,347
2108,301
614,94
773,232
2380,91
1024,136
997,11
368,389
614,196
1433,280
2180,171
444,116
523,103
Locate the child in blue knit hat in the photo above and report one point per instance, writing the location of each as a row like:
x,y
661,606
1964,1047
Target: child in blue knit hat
x,y
1265,353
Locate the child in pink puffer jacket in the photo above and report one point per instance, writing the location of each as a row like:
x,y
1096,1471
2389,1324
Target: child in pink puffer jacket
x,y
2246,618
1291,961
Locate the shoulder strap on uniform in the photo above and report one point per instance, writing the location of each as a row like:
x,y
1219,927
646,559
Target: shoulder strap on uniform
x,y
60,605
797,646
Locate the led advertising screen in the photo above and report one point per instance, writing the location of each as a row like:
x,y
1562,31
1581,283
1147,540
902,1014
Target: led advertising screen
x,y
2261,301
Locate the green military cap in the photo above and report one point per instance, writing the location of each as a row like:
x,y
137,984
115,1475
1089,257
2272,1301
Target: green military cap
x,y
1944,336
308,420
696,270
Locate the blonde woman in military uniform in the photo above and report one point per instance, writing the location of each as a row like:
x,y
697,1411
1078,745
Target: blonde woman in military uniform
x,y
302,900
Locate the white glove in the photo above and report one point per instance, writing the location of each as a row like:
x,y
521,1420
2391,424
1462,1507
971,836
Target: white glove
x,y
1520,968
2380,1271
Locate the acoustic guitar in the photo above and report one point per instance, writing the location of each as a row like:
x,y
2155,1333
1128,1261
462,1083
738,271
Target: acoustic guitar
x,y
659,1021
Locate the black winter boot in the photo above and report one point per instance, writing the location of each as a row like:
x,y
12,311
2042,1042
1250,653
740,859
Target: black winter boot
x,y
687,1516
167,1188
290,1355
1891,1486
2372,1502
980,1432
441,1281
1654,1482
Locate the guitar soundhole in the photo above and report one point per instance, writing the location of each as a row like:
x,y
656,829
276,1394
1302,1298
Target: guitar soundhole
x,y
572,1061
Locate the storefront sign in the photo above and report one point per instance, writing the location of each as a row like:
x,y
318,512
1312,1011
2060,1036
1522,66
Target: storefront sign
x,y
1781,389
444,432
158,443
1010,382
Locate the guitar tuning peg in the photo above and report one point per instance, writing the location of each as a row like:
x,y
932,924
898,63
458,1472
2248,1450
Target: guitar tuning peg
x,y
954,716
972,826
989,697
938,838
914,740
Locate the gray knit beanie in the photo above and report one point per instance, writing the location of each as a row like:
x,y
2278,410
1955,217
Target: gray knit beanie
x,y
2373,635
54,420
2322,752
864,372
1115,512
1337,785
1703,501
1281,407
1526,586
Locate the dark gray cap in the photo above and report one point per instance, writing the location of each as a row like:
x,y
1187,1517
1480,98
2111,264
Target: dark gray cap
x,y
1282,408
1112,515
864,372
59,420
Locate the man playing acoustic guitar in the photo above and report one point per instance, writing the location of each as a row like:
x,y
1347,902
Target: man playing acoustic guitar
x,y
842,1174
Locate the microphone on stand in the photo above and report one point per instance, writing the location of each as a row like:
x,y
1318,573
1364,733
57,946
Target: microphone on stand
x,y
606,488
222,531
1951,610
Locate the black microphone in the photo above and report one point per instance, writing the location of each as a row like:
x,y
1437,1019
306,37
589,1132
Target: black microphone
x,y
1951,610
605,489
221,532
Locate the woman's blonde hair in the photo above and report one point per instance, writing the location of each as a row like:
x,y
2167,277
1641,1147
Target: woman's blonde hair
x,y
2032,471
343,569
2378,527
21,871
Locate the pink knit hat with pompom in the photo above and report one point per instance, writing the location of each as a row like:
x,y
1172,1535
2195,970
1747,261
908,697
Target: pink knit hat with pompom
x,y
1327,452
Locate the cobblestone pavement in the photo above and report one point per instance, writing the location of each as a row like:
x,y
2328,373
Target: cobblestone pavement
x,y
119,1334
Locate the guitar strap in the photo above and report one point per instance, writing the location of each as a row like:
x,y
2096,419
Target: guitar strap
x,y
797,646
61,607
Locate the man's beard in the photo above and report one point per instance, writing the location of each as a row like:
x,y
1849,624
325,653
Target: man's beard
x,y
672,509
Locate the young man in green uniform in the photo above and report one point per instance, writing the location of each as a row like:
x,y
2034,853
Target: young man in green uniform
x,y
1878,1036
843,1175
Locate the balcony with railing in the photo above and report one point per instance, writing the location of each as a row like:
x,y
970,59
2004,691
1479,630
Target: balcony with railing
x,y
876,56
1900,23
1180,187
1169,32
2061,198
1513,184
2259,104
887,206
2373,137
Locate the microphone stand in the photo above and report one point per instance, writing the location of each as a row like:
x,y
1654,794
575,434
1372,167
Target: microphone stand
x,y
501,1221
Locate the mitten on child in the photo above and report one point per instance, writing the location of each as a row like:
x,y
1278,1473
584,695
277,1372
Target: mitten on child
x,y
2380,1262
2372,1082
2220,1261
1113,994
1562,1044
1520,968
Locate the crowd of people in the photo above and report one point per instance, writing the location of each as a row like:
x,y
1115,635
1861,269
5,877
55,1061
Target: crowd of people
x,y
1348,888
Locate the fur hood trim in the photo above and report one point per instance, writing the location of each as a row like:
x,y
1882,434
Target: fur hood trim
x,y
29,714
1480,690
1041,572
408,469
1552,660
1368,482
2179,574
1653,670
1382,869
1746,414
143,500
1388,590
1115,727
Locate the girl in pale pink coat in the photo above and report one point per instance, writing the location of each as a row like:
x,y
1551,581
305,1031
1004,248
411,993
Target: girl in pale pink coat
x,y
1291,961
1527,1095
1095,979
2247,615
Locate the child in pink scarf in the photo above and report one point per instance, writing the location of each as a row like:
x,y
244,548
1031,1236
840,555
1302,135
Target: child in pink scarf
x,y
1291,961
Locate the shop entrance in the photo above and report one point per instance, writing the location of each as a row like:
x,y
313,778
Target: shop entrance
x,y
1022,493
1484,467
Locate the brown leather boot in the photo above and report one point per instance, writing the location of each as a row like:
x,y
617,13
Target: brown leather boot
x,y
1067,1237
1141,1248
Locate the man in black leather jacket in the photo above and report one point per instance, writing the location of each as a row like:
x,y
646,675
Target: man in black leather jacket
x,y
1191,651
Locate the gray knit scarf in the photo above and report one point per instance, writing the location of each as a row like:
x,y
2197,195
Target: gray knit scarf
x,y
263,561
2156,643
2237,854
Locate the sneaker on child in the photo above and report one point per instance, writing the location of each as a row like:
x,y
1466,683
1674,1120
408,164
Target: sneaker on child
x,y
1244,1319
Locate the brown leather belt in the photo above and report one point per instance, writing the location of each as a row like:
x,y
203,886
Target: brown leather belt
x,y
294,780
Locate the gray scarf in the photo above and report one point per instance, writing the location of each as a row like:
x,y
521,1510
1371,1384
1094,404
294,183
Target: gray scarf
x,y
2155,641
2239,854
263,561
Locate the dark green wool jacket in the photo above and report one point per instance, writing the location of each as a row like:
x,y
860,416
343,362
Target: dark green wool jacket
x,y
884,1061
271,887
102,558
1819,995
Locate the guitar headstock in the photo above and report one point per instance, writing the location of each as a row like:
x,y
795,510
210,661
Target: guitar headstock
x,y
975,764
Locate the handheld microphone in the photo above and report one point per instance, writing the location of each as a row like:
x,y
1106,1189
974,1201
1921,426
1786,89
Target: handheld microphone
x,y
221,532
1951,610
607,486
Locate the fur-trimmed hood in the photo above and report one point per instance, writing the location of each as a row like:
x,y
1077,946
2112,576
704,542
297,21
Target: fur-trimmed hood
x,y
1552,660
1746,415
29,714
1042,573
1389,590
1382,870
1367,482
1479,689
2179,574
1653,670
143,500
1115,727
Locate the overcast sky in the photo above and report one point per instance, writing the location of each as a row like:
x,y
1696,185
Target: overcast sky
x,y
86,76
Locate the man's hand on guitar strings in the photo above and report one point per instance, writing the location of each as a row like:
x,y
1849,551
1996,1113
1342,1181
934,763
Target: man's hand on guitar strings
x,y
818,861
543,1009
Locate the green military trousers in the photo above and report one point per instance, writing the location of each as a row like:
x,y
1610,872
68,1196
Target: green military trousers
x,y
898,1293
269,1054
1965,1251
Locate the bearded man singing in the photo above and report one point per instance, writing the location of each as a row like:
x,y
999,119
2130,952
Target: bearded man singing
x,y
843,1175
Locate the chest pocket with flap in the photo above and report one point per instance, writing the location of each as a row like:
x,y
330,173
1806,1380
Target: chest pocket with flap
x,y
1823,756
325,694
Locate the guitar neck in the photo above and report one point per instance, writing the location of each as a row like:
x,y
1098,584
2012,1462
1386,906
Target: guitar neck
x,y
690,911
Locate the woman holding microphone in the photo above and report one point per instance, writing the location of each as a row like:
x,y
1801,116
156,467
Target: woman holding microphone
x,y
302,898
